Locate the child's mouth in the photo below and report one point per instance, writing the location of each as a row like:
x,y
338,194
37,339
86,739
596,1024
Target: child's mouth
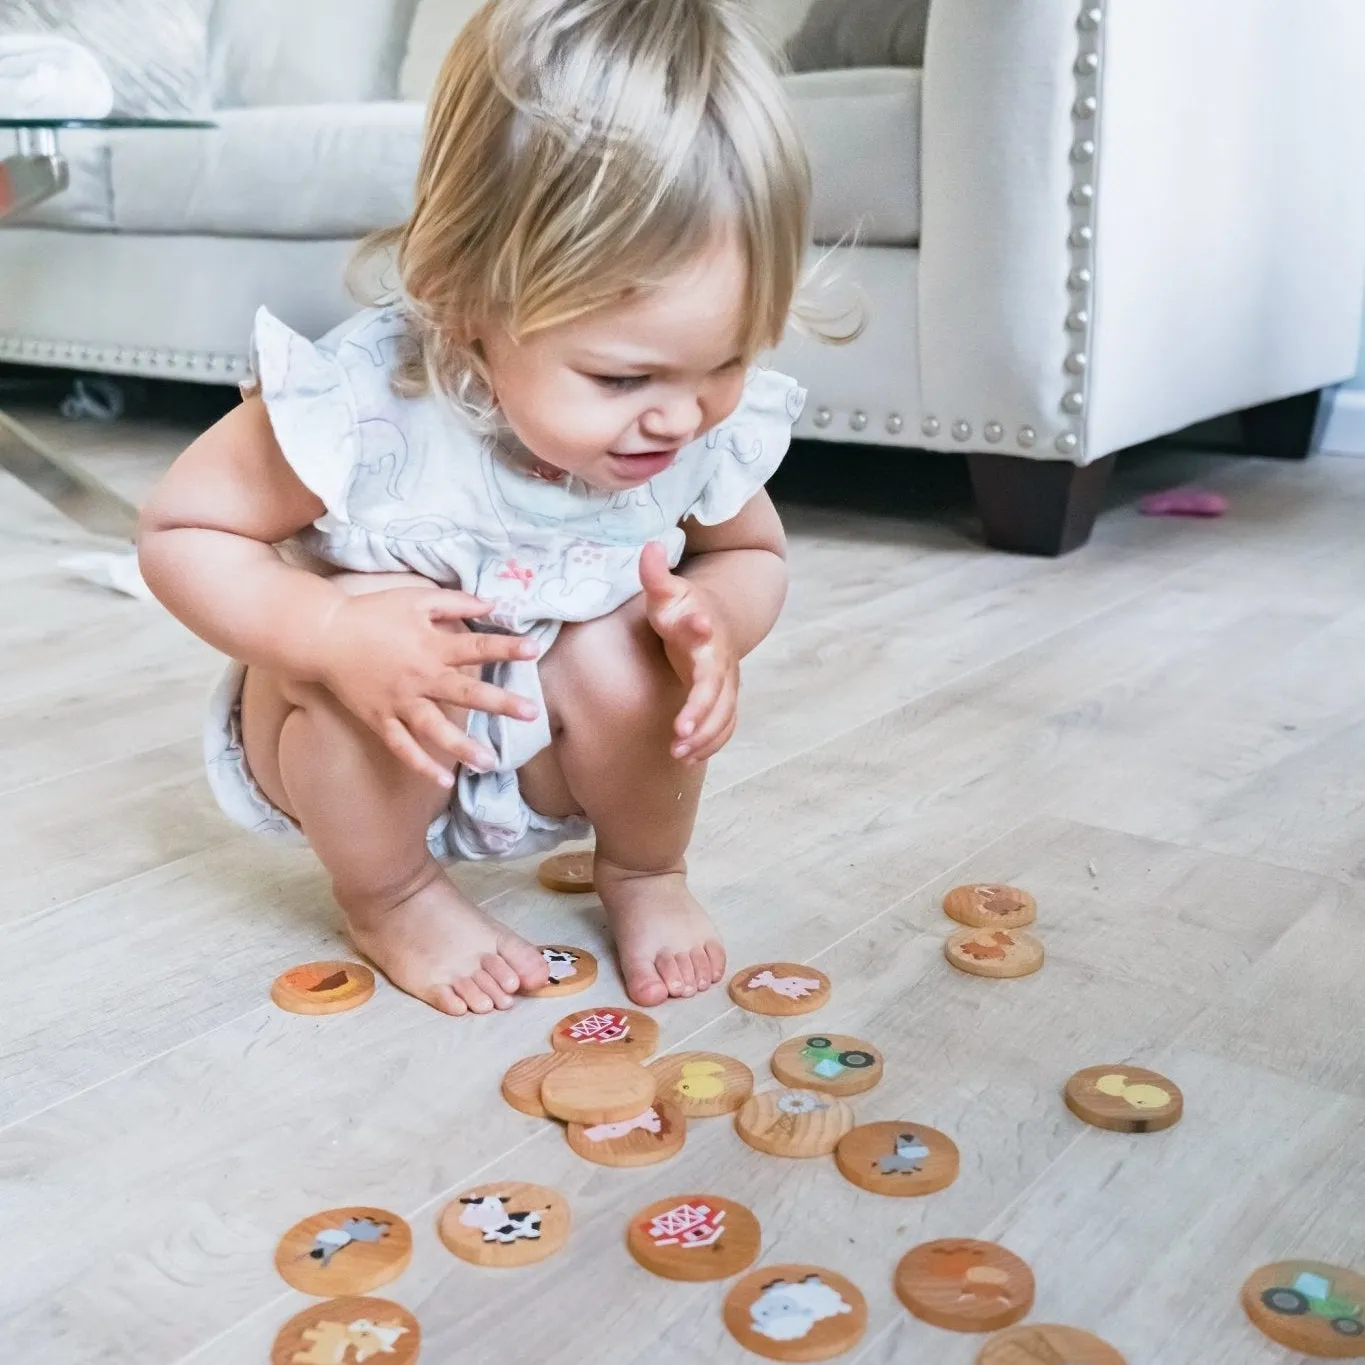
x,y
644,464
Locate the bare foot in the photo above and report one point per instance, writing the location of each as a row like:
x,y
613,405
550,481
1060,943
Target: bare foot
x,y
666,942
443,949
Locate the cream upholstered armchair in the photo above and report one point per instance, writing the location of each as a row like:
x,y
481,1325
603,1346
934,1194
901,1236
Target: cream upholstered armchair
x,y
1081,224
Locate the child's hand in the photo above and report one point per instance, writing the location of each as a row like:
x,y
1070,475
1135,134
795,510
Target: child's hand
x,y
389,659
697,642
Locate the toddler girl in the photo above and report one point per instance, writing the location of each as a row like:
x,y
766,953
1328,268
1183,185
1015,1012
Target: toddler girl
x,y
532,493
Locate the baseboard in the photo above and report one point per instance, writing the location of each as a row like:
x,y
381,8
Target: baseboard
x,y
1343,433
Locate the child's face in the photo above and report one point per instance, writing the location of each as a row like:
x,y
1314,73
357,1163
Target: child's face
x,y
612,397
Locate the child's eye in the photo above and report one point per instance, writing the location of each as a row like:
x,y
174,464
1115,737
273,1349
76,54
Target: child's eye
x,y
621,383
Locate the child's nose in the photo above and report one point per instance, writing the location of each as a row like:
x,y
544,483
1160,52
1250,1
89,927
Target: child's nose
x,y
673,422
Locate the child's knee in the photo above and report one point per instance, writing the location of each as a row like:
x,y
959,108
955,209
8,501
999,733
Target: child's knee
x,y
614,669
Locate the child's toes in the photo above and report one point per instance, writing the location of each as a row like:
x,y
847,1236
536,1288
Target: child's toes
x,y
701,965
644,985
486,982
497,967
678,975
715,956
531,969
446,1000
473,994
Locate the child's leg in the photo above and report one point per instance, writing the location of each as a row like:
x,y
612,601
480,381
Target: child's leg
x,y
366,815
613,698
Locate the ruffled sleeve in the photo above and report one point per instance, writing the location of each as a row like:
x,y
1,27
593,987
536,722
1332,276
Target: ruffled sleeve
x,y
307,394
748,446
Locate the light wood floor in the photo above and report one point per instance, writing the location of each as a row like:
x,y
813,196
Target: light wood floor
x,y
1162,736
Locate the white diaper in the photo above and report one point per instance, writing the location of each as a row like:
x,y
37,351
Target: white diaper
x,y
486,817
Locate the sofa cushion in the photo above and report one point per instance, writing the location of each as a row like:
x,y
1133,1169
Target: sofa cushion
x,y
438,21
839,33
264,52
862,130
324,171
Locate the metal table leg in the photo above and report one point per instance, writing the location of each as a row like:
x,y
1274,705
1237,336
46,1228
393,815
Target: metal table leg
x,y
38,171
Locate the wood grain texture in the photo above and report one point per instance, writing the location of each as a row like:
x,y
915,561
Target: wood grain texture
x,y
506,1225
793,1123
703,1084
837,1063
589,1089
694,1237
796,1312
344,1251
1162,738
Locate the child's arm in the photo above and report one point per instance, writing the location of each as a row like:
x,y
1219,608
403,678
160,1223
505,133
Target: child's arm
x,y
206,548
722,601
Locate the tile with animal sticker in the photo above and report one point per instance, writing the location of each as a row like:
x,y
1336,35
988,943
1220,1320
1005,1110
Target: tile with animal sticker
x,y
1312,1307
694,1237
505,1225
833,1062
994,952
323,987
607,1028
344,1251
964,1285
897,1158
796,1312
703,1084
794,1123
989,905
781,988
571,970
654,1135
1124,1099
569,872
1047,1344
348,1331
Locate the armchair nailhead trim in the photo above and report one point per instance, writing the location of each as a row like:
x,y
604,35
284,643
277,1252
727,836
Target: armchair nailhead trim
x,y
895,423
823,417
962,430
930,426
858,420
993,432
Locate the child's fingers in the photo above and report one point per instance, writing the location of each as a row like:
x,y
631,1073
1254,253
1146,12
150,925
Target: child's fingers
x,y
401,743
715,735
706,690
443,739
447,604
486,647
458,690
656,578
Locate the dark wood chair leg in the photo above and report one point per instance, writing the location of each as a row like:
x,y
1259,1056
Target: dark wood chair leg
x,y
1037,507
1284,429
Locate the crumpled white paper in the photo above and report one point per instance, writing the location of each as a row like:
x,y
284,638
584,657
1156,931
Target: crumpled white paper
x,y
107,570
43,75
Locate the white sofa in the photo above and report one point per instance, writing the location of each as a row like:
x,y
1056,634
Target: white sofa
x,y
1082,225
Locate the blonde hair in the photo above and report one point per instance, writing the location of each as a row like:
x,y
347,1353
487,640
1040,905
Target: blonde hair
x,y
578,151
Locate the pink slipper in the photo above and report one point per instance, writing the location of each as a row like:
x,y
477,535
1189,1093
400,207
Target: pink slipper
x,y
1183,502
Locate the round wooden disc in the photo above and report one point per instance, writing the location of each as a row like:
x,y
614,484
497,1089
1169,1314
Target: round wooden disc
x,y
795,1312
521,1085
833,1062
1047,1344
1309,1306
571,970
994,952
344,1251
571,871
694,1237
795,1123
989,905
323,987
607,1029
592,1089
349,1329
505,1225
654,1135
1125,1099
779,988
897,1158
703,1084
964,1285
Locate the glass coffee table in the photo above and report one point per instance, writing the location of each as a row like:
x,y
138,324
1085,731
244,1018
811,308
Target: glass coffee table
x,y
35,172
